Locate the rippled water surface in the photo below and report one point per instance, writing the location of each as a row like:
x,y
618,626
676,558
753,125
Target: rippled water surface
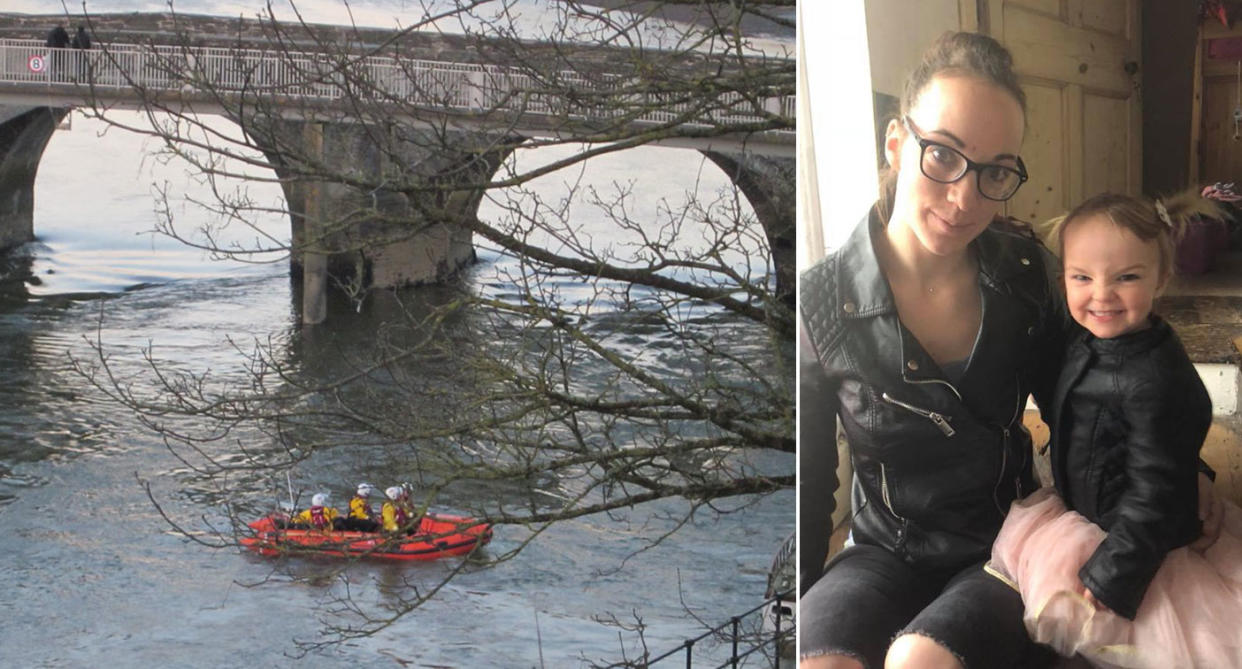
x,y
95,575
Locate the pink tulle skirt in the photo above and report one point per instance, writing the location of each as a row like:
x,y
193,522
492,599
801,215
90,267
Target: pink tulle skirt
x,y
1191,615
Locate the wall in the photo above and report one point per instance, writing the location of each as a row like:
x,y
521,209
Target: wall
x,y
898,32
837,156
854,50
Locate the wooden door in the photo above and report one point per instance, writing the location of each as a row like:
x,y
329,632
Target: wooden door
x,y
1220,146
1079,63
1219,140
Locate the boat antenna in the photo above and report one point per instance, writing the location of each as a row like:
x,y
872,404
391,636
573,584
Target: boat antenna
x,y
289,483
539,639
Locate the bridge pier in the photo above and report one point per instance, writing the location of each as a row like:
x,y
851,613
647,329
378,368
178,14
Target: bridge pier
x,y
24,133
382,206
402,228
770,185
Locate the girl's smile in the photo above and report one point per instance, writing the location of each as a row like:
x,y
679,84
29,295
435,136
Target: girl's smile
x,y
1111,277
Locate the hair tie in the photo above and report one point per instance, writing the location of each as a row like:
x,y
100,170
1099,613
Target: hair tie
x,y
1163,213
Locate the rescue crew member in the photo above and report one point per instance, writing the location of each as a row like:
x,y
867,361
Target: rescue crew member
x,y
319,516
397,513
362,516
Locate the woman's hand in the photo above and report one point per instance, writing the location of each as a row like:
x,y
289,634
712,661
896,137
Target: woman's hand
x,y
1211,512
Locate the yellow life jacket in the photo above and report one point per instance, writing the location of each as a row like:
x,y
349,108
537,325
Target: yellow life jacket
x,y
318,517
360,509
394,517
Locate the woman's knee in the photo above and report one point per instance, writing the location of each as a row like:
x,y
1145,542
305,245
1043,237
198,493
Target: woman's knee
x,y
830,662
914,650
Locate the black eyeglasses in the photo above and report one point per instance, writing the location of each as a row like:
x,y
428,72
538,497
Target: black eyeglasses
x,y
945,164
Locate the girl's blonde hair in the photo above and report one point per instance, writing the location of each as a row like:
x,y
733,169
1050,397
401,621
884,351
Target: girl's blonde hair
x,y
953,54
1143,218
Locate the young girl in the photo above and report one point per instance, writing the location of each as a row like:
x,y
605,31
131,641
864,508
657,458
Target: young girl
x,y
1113,577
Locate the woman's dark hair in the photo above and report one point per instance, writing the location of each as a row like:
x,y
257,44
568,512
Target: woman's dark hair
x,y
957,54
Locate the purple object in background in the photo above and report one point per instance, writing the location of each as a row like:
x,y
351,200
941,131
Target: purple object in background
x,y
1199,246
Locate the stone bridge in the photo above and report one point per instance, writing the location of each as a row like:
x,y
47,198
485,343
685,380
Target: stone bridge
x,y
419,128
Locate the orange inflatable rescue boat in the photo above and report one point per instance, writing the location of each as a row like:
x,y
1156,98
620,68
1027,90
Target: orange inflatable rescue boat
x,y
437,536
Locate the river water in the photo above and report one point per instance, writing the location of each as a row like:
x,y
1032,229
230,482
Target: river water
x,y
95,575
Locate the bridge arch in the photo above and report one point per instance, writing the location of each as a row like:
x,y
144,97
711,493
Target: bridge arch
x,y
24,134
408,233
348,228
771,186
656,173
437,193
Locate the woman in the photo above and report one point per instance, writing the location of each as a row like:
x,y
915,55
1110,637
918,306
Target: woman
x,y
922,333
925,334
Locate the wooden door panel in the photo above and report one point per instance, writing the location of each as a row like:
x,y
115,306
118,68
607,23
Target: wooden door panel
x,y
1047,47
1083,115
1044,195
1216,155
1049,7
1108,16
1106,145
1222,154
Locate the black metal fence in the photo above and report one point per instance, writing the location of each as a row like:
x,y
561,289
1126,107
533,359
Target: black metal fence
x,y
743,645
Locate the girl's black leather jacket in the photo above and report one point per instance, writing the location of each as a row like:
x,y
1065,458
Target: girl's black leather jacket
x,y
936,464
1130,415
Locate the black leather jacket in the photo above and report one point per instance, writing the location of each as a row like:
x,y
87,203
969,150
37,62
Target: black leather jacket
x,y
936,464
1130,415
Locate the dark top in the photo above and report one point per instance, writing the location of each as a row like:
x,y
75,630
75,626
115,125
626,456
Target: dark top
x,y
936,462
1130,415
81,40
58,38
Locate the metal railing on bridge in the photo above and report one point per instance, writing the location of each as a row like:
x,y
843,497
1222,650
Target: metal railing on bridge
x,y
285,77
779,638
